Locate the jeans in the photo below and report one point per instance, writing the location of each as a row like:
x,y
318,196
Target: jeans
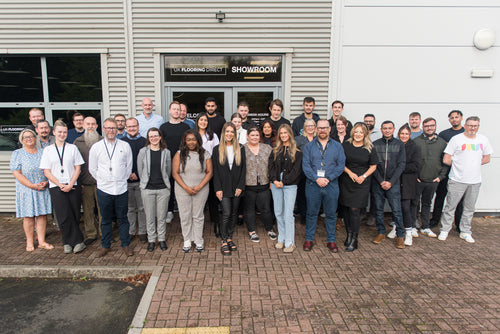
x,y
456,191
155,208
284,201
426,191
111,205
258,197
316,195
229,215
393,196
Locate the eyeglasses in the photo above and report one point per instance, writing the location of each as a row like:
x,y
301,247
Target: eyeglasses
x,y
28,137
472,126
109,128
322,128
430,126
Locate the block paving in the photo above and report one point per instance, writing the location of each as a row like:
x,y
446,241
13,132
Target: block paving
x,y
430,287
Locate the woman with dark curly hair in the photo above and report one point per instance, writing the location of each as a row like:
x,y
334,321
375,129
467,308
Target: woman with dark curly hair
x,y
192,170
268,133
154,165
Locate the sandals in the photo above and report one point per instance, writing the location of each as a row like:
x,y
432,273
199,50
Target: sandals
x,y
224,249
232,245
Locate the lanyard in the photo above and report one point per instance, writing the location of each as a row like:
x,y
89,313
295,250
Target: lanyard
x,y
323,152
61,156
112,153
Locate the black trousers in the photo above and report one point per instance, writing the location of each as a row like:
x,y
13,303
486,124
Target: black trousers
x,y
441,192
258,197
229,215
213,203
409,210
352,218
67,208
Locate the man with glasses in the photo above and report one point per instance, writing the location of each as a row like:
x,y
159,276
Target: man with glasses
x,y
432,171
120,126
369,120
147,119
110,163
136,215
465,153
323,161
78,130
455,118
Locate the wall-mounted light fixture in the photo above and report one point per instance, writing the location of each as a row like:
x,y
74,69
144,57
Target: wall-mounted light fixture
x,y
220,16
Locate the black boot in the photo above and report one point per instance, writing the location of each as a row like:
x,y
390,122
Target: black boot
x,y
353,244
348,239
217,230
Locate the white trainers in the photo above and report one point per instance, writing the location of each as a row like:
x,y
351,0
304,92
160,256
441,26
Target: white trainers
x,y
392,234
428,232
408,238
467,237
170,217
414,232
442,236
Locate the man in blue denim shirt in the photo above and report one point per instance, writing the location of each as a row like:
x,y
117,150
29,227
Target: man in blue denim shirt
x,y
323,162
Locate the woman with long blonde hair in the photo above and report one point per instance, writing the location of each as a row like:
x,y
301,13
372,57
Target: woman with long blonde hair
x,y
229,167
285,167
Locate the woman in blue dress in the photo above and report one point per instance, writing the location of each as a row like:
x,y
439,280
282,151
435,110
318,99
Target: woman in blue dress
x,y
32,194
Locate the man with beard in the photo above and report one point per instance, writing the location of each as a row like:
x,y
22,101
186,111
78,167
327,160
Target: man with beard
x,y
184,119
298,123
78,130
110,163
337,109
89,195
135,214
369,121
43,131
243,109
148,119
120,126
215,121
414,122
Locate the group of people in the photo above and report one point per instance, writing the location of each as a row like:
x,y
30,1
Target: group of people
x,y
143,168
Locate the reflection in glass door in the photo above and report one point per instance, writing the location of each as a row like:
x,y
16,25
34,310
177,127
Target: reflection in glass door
x,y
258,103
194,98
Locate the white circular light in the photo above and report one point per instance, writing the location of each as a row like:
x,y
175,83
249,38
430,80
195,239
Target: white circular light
x,y
484,39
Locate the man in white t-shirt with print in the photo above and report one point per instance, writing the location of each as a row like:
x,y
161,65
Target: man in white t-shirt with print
x,y
465,154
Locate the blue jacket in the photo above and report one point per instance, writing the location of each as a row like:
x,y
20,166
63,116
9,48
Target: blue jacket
x,y
334,159
391,160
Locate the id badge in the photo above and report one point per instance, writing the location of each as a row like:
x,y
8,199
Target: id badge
x,y
321,173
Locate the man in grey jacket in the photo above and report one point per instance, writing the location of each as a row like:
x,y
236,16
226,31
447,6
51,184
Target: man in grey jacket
x,y
432,170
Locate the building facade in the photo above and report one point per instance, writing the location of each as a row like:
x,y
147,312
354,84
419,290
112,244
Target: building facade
x,y
389,58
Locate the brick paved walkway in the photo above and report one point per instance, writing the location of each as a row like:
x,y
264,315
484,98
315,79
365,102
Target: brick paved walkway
x,y
433,286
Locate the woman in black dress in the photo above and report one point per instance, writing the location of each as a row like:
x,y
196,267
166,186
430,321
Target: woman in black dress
x,y
360,162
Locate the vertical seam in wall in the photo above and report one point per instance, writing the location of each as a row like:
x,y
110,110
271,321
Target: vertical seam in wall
x,y
129,55
335,53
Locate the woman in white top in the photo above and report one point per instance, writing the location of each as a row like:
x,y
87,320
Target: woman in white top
x,y
240,132
61,163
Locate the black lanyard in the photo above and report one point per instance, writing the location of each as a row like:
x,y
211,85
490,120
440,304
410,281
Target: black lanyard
x,y
110,156
61,156
323,152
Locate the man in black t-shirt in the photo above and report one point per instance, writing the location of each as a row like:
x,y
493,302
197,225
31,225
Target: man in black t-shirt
x,y
243,110
276,108
171,132
215,120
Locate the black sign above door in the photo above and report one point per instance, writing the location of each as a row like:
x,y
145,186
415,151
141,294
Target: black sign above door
x,y
223,68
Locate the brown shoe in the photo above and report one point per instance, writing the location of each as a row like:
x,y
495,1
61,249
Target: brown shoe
x,y
332,247
400,243
103,251
128,251
378,239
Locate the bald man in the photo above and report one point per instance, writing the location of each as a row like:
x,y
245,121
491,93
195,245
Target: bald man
x,y
148,119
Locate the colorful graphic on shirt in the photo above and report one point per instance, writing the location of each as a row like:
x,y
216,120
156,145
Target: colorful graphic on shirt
x,y
472,147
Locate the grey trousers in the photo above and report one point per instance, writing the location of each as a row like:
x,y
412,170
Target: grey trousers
x,y
191,213
155,207
456,191
135,212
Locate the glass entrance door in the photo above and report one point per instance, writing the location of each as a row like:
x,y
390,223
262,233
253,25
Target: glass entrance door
x,y
258,100
194,98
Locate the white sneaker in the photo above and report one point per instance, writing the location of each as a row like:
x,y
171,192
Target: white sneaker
x,y
442,236
414,232
392,224
392,234
408,238
428,232
467,237
170,217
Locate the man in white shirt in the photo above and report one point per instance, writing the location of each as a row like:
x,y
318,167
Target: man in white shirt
x,y
465,153
148,119
110,163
